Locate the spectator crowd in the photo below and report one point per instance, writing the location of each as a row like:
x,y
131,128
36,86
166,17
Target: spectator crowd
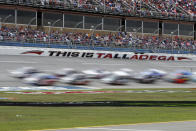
x,y
165,6
144,7
79,37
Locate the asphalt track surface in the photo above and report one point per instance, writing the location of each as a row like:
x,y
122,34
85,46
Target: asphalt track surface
x,y
164,126
51,64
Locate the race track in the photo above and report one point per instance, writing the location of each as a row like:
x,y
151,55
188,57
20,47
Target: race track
x,y
163,126
51,64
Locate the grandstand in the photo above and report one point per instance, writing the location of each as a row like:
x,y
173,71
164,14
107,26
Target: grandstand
x,y
124,25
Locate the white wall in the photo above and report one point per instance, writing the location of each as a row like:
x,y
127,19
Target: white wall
x,y
32,51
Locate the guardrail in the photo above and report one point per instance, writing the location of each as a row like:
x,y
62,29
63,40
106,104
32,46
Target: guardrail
x,y
94,46
105,103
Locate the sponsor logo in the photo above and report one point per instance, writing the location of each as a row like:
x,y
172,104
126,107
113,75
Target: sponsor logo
x,y
128,56
38,52
135,56
184,58
71,54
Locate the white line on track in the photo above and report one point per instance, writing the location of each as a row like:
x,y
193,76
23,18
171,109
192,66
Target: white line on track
x,y
92,128
172,86
110,129
180,66
100,64
23,62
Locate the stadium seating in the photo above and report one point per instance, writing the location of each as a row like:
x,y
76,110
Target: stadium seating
x,y
142,7
99,40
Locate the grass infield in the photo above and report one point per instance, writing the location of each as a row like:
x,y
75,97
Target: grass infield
x,y
15,118
36,118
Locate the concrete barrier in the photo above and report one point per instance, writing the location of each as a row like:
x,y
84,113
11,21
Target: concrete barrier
x,y
51,52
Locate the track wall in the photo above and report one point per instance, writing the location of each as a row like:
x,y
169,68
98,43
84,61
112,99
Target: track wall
x,y
51,52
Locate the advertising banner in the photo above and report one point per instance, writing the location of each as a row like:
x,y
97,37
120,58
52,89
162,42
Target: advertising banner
x,y
51,52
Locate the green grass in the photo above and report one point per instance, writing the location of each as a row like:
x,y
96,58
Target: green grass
x,y
34,118
14,118
178,96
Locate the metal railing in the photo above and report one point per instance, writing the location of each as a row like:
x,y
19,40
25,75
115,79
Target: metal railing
x,y
100,45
